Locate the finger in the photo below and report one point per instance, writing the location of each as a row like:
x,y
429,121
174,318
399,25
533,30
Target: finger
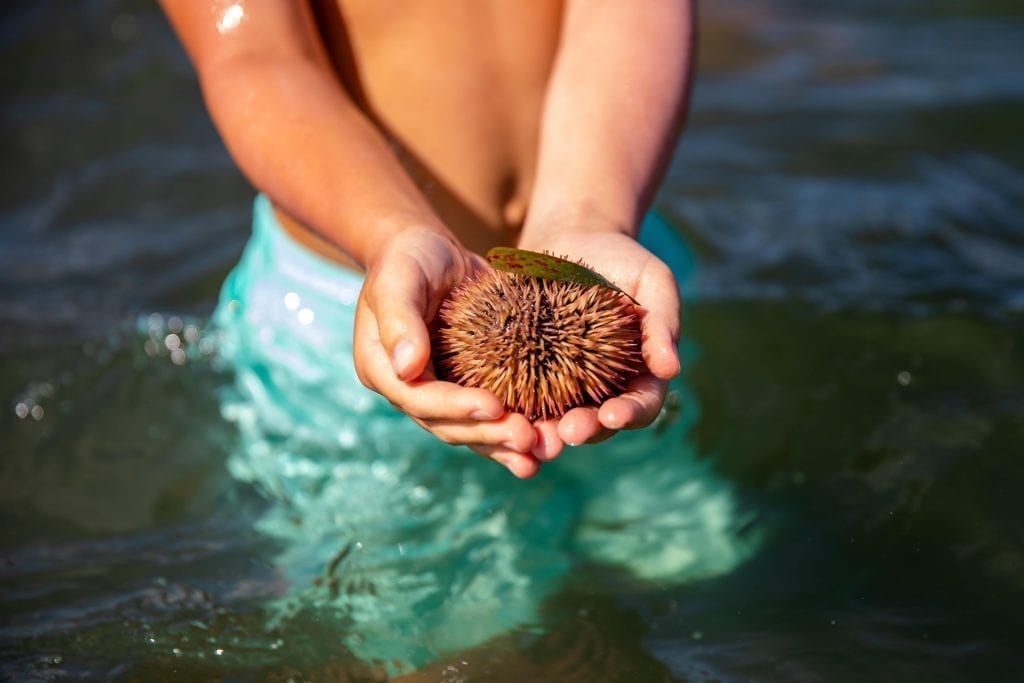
x,y
549,443
659,323
425,399
637,407
397,295
513,432
366,346
438,400
579,426
522,465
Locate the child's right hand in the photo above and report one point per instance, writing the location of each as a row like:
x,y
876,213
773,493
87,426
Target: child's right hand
x,y
405,284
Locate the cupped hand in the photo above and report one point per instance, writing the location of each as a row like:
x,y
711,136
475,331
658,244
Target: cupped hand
x,y
638,272
404,288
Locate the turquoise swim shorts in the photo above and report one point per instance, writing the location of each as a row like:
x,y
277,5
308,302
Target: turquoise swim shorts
x,y
418,549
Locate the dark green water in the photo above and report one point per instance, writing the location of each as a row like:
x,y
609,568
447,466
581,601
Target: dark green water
x,y
852,184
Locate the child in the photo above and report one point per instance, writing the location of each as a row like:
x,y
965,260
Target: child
x,y
406,138
395,143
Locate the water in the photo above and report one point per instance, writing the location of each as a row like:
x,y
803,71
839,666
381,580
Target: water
x,y
852,180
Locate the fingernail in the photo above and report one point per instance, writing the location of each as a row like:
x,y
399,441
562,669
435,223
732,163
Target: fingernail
x,y
401,359
481,414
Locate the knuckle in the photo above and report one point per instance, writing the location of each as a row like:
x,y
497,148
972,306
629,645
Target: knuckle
x,y
447,437
400,405
362,375
660,270
645,415
409,410
643,420
365,380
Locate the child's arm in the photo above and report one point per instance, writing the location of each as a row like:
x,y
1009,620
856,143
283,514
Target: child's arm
x,y
297,135
612,113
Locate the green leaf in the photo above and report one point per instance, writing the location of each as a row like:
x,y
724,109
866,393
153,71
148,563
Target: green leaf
x,y
548,267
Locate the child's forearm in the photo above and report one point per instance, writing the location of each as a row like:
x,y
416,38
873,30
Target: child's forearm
x,y
612,113
294,131
317,156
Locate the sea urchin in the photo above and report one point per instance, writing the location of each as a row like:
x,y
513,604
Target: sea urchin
x,y
541,346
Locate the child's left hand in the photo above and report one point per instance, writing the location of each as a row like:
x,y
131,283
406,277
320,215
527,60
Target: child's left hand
x,y
632,268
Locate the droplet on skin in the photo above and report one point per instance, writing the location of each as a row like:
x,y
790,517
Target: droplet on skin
x,y
230,18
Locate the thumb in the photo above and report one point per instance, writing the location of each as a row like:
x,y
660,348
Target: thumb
x,y
660,322
398,300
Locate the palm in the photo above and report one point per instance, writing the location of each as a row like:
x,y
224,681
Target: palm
x,y
643,276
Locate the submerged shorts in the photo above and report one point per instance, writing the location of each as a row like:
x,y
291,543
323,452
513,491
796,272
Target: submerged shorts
x,y
417,548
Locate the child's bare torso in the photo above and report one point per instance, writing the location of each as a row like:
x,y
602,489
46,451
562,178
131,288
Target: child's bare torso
x,y
458,88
